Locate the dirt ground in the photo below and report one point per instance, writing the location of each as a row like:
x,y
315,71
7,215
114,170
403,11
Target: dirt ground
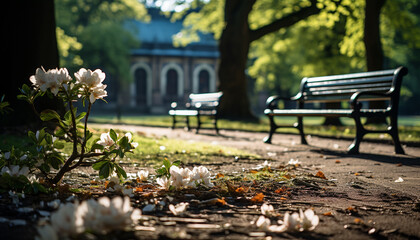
x,y
358,199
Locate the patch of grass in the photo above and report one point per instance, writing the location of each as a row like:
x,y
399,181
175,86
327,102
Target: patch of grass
x,y
151,151
409,126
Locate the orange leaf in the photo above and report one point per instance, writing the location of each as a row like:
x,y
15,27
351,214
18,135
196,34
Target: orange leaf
x,y
281,190
240,190
337,161
138,189
219,175
253,171
258,198
221,201
328,214
356,174
283,198
358,221
320,174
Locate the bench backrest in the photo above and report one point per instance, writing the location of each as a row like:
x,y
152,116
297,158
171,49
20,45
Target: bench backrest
x,y
340,87
205,100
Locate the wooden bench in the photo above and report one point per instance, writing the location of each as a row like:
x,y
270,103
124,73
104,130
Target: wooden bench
x,y
204,104
354,88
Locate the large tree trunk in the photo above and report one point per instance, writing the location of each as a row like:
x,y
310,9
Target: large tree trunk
x,y
373,46
30,43
234,46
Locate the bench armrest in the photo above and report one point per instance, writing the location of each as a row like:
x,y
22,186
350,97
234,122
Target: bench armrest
x,y
174,105
272,101
354,99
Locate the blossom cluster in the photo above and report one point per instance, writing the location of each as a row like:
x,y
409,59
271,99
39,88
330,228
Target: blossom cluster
x,y
185,178
99,216
302,221
57,79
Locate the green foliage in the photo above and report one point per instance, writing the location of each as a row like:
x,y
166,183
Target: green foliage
x,y
93,33
328,43
4,106
164,170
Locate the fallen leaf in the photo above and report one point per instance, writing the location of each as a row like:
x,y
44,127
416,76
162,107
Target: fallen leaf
x,y
240,190
358,221
253,171
328,214
399,180
259,197
219,175
320,174
281,190
283,198
356,174
138,189
337,161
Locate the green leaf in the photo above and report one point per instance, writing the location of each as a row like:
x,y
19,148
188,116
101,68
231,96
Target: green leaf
x,y
58,144
167,164
80,116
113,135
98,165
106,169
49,114
120,171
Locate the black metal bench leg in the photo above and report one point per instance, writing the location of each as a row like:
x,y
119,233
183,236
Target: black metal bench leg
x,y
198,123
187,122
393,131
299,126
273,128
215,125
360,132
173,121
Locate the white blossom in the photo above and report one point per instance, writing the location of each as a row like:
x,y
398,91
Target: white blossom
x,y
106,140
180,177
52,79
178,209
46,232
201,175
67,220
267,210
263,223
90,79
142,175
15,170
164,182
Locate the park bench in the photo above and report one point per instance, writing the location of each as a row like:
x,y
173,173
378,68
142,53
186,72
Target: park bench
x,y
204,104
353,88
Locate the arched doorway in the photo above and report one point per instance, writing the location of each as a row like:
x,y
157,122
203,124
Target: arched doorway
x,y
203,81
140,79
171,85
141,87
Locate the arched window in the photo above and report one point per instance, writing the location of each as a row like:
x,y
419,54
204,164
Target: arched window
x,y
203,81
140,78
171,82
141,87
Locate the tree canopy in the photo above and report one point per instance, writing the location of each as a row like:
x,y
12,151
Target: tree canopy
x,y
95,33
330,42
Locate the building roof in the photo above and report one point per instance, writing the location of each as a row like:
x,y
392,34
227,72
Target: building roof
x,y
156,39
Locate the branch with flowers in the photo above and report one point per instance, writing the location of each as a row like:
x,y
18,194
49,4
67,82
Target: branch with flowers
x,y
87,87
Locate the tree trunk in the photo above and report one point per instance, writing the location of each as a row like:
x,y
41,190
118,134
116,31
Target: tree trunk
x,y
234,46
30,43
373,46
